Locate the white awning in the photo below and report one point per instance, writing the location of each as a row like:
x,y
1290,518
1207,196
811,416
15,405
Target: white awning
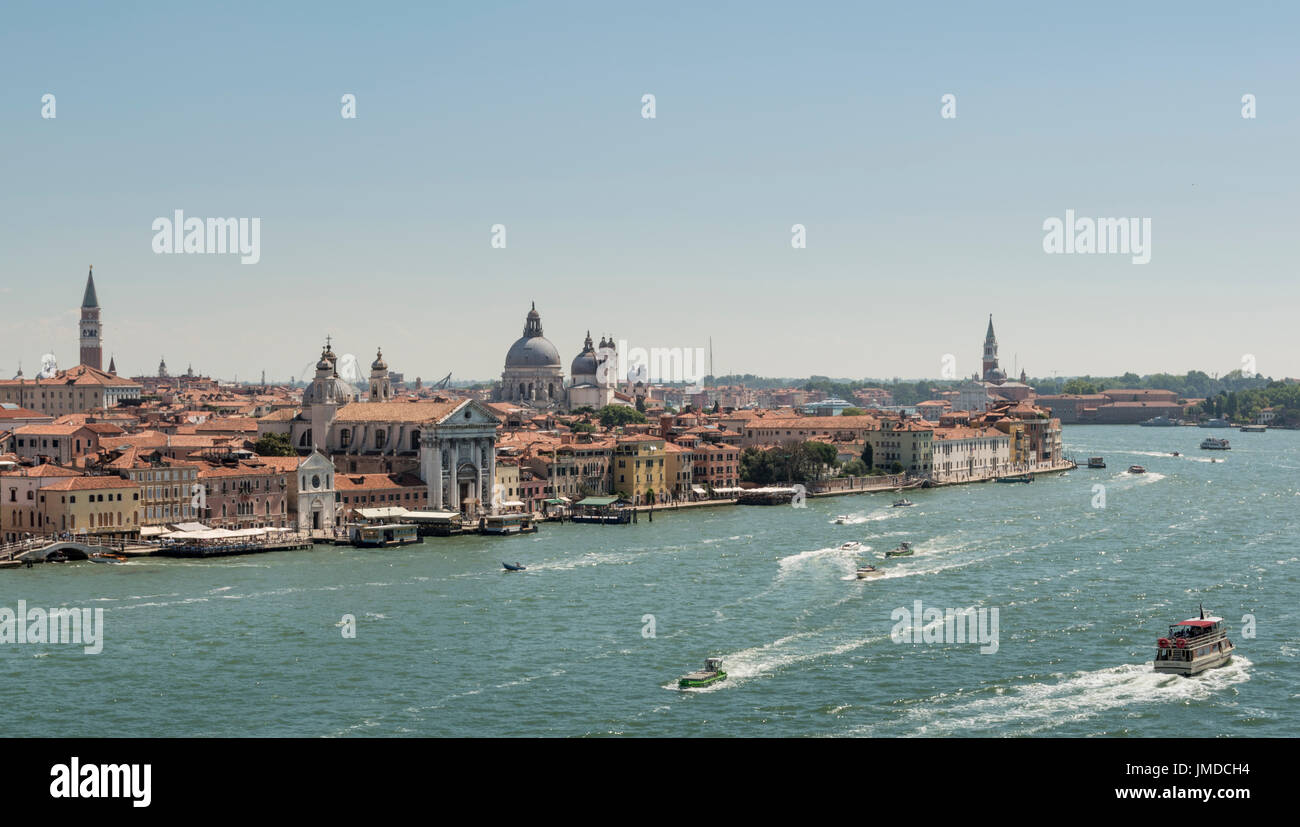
x,y
698,490
386,513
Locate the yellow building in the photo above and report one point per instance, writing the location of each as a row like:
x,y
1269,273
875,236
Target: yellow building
x,y
505,493
908,444
103,506
639,468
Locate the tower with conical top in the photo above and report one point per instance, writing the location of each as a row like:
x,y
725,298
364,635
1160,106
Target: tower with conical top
x,y
992,373
92,339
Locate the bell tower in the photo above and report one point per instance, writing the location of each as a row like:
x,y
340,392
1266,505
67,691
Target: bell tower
x,y
92,339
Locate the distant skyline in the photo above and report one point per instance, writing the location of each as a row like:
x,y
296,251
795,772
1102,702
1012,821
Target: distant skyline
x,y
663,232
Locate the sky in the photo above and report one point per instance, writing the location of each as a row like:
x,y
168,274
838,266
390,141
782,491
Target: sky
x,y
663,232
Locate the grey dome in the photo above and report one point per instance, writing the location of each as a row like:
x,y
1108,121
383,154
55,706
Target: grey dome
x,y
585,363
533,352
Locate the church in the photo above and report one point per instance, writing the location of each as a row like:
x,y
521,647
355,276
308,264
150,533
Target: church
x,y
534,375
450,443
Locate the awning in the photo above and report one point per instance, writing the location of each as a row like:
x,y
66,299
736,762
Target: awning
x,y
698,490
512,504
598,501
386,513
555,501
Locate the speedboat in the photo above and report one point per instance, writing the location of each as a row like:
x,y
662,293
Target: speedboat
x,y
1174,454
1136,469
1194,645
868,571
843,519
515,567
105,557
851,545
710,674
904,550
903,502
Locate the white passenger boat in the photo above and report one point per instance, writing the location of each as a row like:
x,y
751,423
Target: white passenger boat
x,y
1212,444
1193,646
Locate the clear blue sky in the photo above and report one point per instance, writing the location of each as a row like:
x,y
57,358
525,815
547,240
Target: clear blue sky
x,y
663,232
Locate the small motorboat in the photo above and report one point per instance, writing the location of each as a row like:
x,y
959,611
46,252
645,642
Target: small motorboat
x,y
903,503
843,519
904,550
868,571
1136,469
515,567
851,545
104,557
710,674
1175,454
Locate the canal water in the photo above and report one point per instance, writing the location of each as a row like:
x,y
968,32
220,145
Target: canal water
x,y
590,640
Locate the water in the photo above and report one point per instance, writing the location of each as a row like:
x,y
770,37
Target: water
x,y
449,644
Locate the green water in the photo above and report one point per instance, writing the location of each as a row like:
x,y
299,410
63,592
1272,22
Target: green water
x,y
449,644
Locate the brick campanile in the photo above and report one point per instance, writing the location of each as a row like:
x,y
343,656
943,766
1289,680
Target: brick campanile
x,y
92,338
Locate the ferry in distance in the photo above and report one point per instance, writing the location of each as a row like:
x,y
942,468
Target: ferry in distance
x,y
1159,422
1212,444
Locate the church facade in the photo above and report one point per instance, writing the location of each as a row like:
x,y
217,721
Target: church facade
x,y
450,443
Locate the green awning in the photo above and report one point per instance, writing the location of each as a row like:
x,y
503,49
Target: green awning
x,y
598,501
554,501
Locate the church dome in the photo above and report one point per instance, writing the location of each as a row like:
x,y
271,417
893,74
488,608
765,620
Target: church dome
x,y
379,363
533,350
585,363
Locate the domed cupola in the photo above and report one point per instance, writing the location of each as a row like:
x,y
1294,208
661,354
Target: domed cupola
x,y
533,350
583,369
381,389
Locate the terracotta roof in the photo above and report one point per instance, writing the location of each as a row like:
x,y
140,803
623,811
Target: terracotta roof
x,y
89,483
420,411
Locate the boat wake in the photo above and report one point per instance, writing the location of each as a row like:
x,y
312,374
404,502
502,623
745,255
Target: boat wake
x,y
796,562
760,661
1043,706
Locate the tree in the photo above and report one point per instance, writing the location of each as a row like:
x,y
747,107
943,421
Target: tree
x,y
868,454
273,445
612,416
640,404
850,411
854,468
822,455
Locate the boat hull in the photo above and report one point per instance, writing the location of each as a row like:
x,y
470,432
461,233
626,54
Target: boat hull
x,y
696,680
1195,667
1187,669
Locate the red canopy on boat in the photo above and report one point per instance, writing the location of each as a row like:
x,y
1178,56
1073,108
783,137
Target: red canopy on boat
x,y
1197,622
